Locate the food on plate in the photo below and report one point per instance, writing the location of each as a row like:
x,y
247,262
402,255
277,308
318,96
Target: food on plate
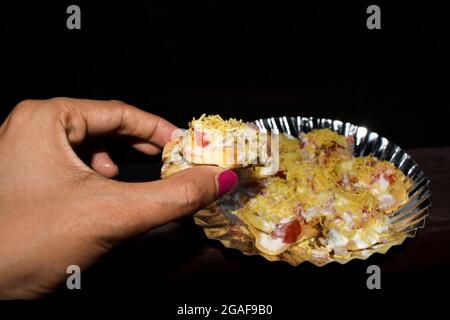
x,y
322,202
305,198
210,140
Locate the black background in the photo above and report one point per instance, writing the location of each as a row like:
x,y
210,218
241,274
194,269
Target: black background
x,y
245,59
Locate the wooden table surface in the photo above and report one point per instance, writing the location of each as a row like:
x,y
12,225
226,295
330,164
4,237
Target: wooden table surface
x,y
177,259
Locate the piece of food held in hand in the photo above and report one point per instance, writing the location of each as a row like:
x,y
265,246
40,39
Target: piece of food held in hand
x,y
321,205
231,144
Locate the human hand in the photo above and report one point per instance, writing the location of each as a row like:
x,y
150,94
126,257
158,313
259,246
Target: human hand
x,y
56,211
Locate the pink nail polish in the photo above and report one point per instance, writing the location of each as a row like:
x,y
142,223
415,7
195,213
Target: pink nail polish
x,y
226,181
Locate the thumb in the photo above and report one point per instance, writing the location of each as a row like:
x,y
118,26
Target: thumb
x,y
147,205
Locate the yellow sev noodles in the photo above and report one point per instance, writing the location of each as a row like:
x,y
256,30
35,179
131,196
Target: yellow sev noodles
x,y
216,122
322,183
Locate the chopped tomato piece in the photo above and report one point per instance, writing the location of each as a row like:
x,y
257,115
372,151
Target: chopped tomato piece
x,y
390,177
288,231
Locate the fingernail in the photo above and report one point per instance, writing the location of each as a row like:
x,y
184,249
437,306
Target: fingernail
x,y
226,181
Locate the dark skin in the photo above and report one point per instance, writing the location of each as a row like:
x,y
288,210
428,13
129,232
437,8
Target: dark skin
x,y
56,211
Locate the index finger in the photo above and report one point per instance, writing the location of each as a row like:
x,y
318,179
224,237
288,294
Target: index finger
x,y
95,117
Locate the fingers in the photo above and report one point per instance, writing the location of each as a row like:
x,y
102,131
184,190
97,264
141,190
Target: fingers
x,y
142,145
83,117
103,164
146,147
95,153
147,205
